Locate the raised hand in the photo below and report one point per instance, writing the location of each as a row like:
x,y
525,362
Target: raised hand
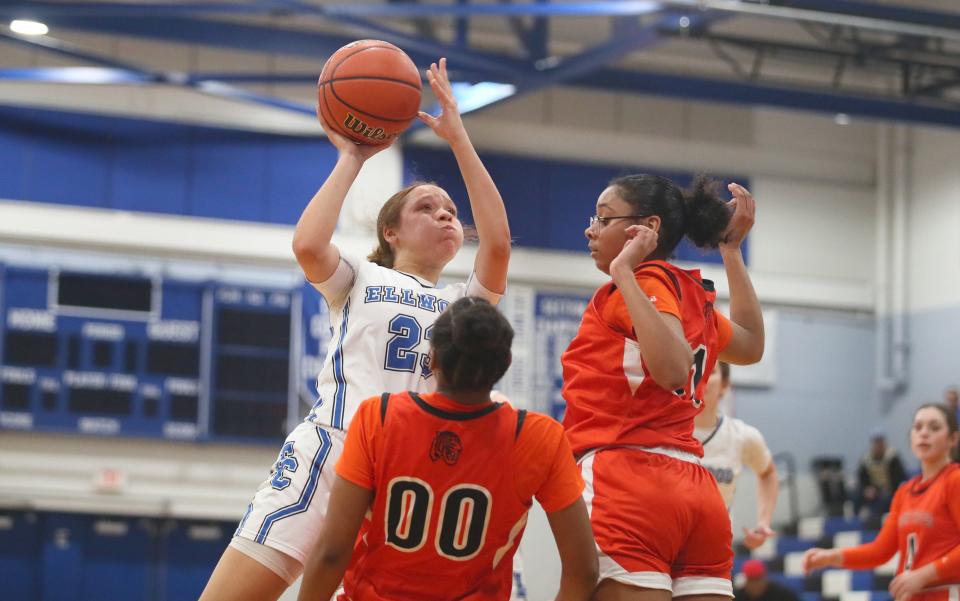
x,y
347,147
744,214
641,241
448,126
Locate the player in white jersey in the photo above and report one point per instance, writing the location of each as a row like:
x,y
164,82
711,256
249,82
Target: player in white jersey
x,y
728,445
382,312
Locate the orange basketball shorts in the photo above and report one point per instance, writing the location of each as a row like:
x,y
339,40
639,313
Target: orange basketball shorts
x,y
659,520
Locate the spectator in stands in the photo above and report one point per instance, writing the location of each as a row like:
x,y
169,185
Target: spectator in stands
x,y
879,474
951,398
757,587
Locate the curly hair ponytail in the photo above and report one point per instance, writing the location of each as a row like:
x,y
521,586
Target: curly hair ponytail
x,y
698,213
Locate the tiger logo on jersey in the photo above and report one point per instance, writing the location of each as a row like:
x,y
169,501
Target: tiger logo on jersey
x,y
446,446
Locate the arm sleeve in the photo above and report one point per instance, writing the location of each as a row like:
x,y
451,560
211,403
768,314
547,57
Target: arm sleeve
x,y
755,453
336,287
563,484
724,330
948,566
545,466
356,464
658,289
878,552
476,288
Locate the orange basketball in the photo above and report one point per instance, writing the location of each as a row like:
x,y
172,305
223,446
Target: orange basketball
x,y
369,91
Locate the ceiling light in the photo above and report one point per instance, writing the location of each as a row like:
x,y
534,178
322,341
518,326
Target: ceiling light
x,y
25,27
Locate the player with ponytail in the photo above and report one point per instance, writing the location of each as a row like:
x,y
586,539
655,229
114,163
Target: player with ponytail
x,y
634,376
382,312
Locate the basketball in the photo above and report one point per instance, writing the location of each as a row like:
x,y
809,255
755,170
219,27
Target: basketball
x,y
369,91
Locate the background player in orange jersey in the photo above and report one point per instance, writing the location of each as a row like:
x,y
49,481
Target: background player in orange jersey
x,y
448,478
633,379
924,520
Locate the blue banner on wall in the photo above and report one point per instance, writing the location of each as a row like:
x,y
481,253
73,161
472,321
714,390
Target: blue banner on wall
x,y
557,318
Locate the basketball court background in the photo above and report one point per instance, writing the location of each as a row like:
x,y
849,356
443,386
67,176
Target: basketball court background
x,y
163,152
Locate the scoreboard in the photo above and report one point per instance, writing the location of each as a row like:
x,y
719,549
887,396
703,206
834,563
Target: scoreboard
x,y
149,356
200,360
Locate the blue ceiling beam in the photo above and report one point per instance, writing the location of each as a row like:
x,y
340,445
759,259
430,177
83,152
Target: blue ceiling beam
x,y
497,65
598,8
779,96
630,37
534,37
651,83
471,64
462,29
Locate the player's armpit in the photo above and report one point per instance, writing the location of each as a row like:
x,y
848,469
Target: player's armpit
x,y
578,554
325,566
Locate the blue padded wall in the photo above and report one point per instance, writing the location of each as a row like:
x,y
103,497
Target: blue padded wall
x,y
138,165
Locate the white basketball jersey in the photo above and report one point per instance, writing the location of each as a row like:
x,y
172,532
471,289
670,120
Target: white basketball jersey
x,y
729,446
382,321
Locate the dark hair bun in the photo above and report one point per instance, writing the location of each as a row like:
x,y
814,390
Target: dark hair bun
x,y
706,215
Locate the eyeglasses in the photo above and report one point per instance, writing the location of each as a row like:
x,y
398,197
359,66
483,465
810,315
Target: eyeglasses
x,y
596,220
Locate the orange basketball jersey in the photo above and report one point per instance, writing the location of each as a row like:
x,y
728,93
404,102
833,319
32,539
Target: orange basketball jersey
x,y
453,484
611,398
923,524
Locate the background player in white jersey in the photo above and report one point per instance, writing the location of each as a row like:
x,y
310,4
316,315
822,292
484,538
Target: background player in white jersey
x,y
728,445
382,312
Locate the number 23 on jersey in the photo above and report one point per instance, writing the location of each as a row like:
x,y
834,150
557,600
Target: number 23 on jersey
x,y
407,335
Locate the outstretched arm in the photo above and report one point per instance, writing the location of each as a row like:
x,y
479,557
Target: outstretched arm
x,y
861,557
325,567
489,214
746,343
317,256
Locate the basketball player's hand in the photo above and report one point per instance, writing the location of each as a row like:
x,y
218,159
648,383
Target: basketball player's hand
x,y
347,147
756,536
816,558
910,582
641,241
744,212
448,125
